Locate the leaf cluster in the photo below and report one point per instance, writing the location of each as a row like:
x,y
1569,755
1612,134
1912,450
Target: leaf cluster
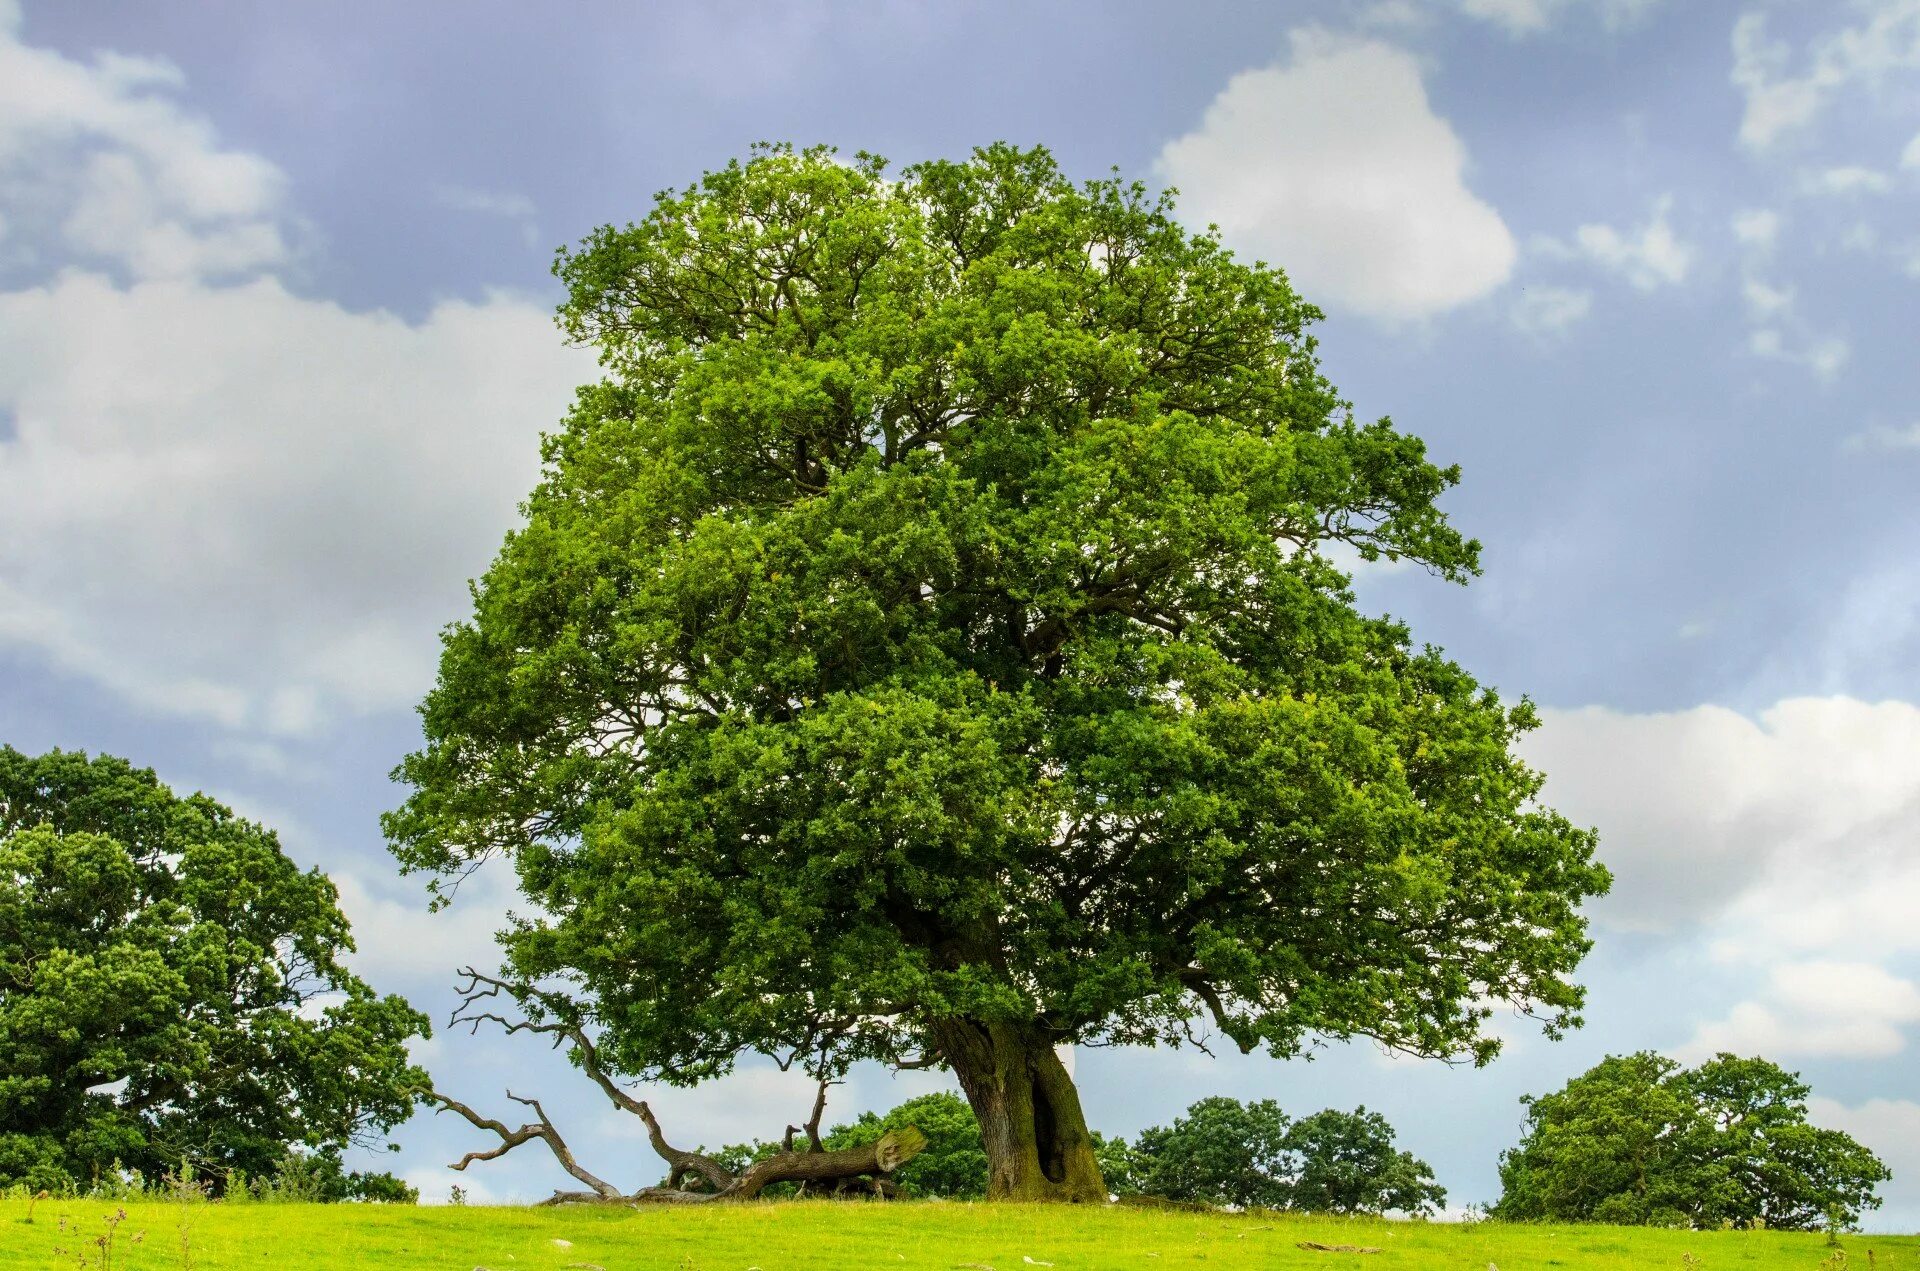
x,y
1640,1139
1251,1155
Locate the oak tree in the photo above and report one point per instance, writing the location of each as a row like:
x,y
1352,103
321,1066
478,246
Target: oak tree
x,y
172,992
1641,1139
928,644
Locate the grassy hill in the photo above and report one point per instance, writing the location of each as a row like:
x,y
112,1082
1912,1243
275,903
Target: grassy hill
x,y
928,1236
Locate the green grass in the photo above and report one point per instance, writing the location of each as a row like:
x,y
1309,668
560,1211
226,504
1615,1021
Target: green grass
x,y
927,1236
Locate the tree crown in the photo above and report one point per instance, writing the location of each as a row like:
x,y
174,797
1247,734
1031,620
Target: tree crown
x,y
932,613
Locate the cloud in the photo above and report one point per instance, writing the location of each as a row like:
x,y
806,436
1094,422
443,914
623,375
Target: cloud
x,y
1360,195
1707,816
101,159
1765,301
242,505
1850,1010
1910,157
1882,437
1824,355
1548,312
1648,258
1757,228
1530,17
1781,99
1843,181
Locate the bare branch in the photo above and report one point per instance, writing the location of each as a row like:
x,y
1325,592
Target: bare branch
x,y
511,1138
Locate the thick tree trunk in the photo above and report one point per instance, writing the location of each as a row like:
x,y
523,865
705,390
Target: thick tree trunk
x,y
1031,1125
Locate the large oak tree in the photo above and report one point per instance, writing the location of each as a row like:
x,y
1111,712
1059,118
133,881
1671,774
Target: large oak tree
x,y
927,644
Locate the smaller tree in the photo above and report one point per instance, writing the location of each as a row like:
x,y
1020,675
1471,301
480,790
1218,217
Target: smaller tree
x,y
173,990
1225,1152
1346,1164
1639,1139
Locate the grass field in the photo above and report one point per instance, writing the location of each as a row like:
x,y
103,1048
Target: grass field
x,y
928,1236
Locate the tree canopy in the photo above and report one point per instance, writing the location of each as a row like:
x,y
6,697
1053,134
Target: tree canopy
x,y
1640,1139
171,991
926,644
1225,1152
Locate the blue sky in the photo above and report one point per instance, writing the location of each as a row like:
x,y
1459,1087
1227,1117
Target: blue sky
x,y
275,355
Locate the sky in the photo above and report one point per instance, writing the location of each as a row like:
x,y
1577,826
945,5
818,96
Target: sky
x,y
276,352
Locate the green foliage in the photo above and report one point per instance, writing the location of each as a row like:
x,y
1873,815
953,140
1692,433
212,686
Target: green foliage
x,y
1346,1164
171,988
931,615
953,1164
1640,1139
1224,1152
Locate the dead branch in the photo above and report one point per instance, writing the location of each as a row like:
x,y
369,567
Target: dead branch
x,y
510,1139
868,1165
812,1127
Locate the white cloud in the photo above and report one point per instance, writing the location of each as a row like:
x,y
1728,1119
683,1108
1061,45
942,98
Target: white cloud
x,y
1706,815
1851,1010
1885,437
239,504
101,157
1547,312
1846,180
401,946
1781,99
1530,17
1650,257
1518,18
1361,196
1910,157
1824,355
1757,228
1765,302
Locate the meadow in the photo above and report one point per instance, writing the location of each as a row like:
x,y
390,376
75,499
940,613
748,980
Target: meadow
x,y
911,1236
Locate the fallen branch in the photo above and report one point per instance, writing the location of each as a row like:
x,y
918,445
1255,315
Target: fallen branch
x,y
840,1169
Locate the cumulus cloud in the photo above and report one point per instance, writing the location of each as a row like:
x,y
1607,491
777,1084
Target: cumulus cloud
x,y
1757,228
1360,195
101,159
1547,312
1649,257
1824,355
220,499
1884,437
1529,17
1786,90
1786,846
236,503
1709,816
1847,179
1848,1010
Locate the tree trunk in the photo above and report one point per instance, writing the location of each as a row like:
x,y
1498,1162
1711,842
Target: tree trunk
x,y
1031,1125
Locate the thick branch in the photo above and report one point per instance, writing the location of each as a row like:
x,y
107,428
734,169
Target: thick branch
x,y
511,1138
812,1127
679,1161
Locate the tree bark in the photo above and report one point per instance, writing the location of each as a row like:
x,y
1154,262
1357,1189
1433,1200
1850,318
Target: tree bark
x,y
1031,1126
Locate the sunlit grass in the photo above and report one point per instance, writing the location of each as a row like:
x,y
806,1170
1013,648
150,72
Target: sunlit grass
x,y
791,1236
